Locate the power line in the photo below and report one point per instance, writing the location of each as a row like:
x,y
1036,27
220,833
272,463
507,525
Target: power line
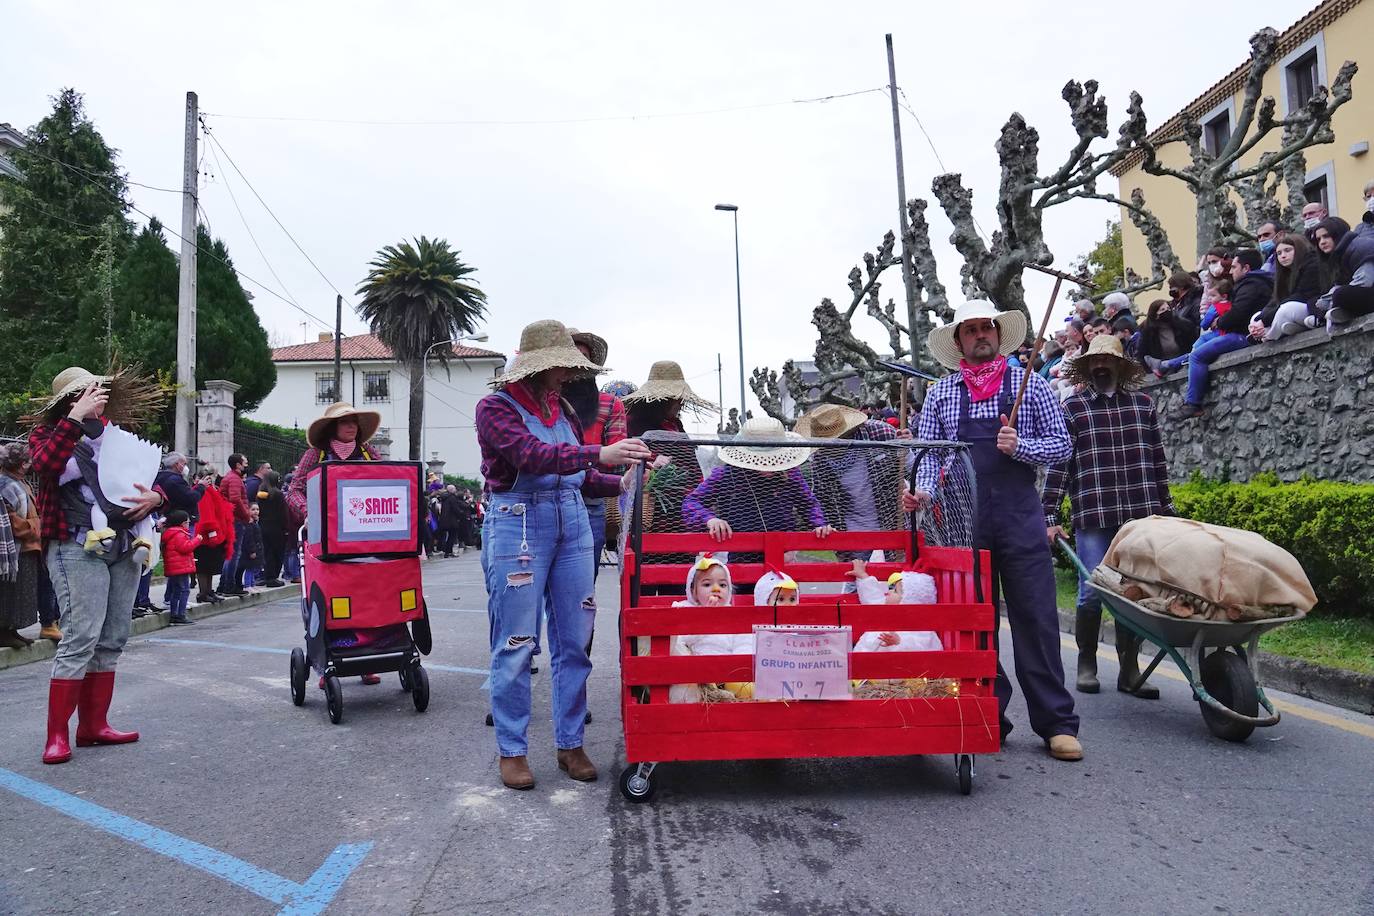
x,y
906,105
249,229
220,146
94,176
382,122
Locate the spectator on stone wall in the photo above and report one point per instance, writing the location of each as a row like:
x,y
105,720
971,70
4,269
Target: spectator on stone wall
x,y
1266,241
1214,266
1215,302
1348,266
1366,226
1185,295
1251,292
1114,304
1166,334
1098,325
1297,284
1313,212
1084,310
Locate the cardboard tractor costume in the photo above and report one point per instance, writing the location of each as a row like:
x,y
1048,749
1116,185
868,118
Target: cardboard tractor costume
x,y
363,605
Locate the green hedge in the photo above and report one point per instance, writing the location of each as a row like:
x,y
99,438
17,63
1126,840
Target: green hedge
x,y
1328,526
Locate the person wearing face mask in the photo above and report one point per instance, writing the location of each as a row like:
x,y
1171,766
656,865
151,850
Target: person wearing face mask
x,y
1366,226
1117,473
1250,293
1313,213
1266,240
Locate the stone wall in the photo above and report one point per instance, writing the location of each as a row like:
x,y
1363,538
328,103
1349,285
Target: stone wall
x,y
1302,405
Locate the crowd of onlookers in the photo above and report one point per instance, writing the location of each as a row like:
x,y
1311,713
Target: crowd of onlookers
x,y
1290,280
453,520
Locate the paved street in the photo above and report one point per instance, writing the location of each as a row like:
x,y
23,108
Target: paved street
x,y
1160,818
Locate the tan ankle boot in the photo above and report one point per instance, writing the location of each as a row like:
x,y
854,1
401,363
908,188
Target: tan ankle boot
x,y
515,773
575,763
1065,747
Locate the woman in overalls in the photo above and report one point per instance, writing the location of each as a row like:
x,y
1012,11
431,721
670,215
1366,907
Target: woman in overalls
x,y
536,542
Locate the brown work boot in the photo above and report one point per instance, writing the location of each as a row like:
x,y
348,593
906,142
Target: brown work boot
x,y
1065,747
574,762
515,773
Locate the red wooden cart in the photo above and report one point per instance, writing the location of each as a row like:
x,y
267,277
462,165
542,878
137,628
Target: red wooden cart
x,y
657,731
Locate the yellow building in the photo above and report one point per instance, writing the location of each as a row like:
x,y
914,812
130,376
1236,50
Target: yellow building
x,y
1310,53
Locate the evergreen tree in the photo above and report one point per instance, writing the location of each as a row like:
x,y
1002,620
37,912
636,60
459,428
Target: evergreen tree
x,y
70,201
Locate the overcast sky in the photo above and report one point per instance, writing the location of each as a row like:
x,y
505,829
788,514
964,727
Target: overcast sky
x,y
604,224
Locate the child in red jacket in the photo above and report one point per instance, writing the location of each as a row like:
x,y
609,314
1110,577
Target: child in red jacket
x,y
179,563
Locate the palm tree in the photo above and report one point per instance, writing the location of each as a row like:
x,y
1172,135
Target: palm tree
x,y
416,296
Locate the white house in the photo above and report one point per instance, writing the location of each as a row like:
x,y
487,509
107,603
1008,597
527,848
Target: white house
x,y
372,378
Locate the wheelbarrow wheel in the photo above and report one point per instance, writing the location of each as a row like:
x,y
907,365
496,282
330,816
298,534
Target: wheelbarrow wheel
x,y
419,694
333,698
1228,679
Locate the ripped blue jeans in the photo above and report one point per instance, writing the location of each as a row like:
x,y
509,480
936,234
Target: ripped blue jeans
x,y
538,544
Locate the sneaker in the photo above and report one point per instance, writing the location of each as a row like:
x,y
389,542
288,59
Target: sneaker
x,y
140,611
1290,328
1155,365
1189,411
180,621
52,632
273,583
371,678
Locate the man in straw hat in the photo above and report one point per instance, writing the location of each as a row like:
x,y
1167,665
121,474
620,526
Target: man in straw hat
x,y
973,405
536,542
95,590
1117,473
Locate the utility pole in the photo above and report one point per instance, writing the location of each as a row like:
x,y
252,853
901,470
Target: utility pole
x,y
908,275
185,438
338,347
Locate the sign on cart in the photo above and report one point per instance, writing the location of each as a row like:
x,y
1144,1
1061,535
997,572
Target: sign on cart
x,y
801,663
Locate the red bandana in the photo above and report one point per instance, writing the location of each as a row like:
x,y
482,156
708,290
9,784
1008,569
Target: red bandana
x,y
524,396
983,381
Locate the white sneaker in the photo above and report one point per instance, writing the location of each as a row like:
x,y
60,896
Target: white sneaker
x,y
1290,328
1310,321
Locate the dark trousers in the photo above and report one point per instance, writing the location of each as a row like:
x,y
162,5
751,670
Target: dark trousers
x,y
231,577
273,553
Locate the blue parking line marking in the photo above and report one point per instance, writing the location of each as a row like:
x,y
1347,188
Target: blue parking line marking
x,y
233,645
217,645
458,610
306,899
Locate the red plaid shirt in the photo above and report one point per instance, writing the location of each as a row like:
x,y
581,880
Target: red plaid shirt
x,y
508,447
50,448
1117,472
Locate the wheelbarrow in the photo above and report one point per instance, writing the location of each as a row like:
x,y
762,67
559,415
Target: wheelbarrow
x,y
1218,657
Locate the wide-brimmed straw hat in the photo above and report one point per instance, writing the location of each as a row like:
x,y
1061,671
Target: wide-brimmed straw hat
x,y
596,345
1012,325
134,399
829,421
742,454
544,345
368,421
667,383
1076,369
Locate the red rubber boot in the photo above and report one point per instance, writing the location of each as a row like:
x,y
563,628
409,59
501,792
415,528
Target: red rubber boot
x,y
63,696
91,726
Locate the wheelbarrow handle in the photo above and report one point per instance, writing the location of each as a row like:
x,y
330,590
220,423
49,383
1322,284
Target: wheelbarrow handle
x,y
1228,712
1063,545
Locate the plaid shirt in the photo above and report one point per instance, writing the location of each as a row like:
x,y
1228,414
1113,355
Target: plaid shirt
x,y
1117,471
1043,438
50,448
508,447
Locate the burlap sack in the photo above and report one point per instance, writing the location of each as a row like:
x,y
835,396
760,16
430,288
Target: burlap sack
x,y
1242,574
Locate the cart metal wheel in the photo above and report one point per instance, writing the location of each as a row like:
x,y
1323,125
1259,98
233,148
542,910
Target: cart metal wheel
x,y
636,788
299,672
333,697
404,675
1227,677
419,693
965,774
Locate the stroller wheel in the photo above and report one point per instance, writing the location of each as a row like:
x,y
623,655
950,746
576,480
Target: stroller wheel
x,y
299,672
404,675
419,693
333,694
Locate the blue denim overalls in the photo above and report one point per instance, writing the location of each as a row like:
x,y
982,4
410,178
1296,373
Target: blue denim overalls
x,y
536,543
1011,524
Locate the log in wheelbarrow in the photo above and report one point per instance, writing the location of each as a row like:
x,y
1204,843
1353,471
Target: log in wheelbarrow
x,y
1218,657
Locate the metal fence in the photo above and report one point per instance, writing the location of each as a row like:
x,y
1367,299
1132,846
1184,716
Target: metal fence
x,y
283,452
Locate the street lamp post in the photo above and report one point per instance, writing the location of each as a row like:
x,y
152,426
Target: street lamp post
x,y
479,337
739,312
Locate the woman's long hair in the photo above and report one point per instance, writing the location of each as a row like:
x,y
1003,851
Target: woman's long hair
x,y
642,416
1285,277
584,397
